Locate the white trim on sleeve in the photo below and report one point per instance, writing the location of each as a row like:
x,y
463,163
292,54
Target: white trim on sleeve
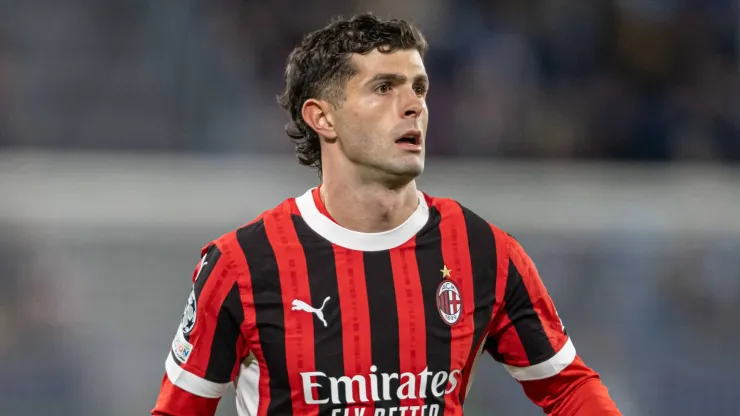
x,y
192,383
549,368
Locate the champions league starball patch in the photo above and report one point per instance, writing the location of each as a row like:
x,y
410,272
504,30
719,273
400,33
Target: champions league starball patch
x,y
188,317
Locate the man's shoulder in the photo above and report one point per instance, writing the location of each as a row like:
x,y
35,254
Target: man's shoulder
x,y
452,209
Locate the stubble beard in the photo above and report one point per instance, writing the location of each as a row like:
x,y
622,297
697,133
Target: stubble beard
x,y
385,166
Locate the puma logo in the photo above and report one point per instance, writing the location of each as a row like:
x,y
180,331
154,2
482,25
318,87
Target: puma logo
x,y
299,305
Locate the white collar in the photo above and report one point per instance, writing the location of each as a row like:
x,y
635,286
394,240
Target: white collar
x,y
355,240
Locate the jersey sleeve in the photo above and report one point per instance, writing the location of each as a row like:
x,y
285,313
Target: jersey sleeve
x,y
208,345
528,337
526,333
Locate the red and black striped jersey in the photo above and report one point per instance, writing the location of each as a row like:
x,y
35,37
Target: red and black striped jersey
x,y
305,317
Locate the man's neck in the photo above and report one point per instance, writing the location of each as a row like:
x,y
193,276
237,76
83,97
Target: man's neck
x,y
368,208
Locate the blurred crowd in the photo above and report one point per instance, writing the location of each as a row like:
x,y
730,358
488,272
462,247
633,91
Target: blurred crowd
x,y
571,79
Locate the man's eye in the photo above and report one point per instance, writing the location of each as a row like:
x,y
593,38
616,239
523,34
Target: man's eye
x,y
420,90
383,88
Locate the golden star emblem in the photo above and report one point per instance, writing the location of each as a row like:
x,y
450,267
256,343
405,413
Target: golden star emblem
x,y
445,272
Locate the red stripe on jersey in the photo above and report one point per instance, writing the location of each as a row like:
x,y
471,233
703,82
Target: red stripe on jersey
x,y
468,370
410,303
509,343
501,326
173,400
355,321
541,301
291,207
299,342
502,254
249,326
218,285
456,254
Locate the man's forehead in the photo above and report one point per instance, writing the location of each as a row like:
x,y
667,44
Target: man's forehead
x,y
402,61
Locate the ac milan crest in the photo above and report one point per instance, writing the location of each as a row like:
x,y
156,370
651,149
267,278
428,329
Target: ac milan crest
x,y
449,302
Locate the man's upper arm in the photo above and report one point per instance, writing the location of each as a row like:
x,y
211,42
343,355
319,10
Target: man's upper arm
x,y
208,346
528,337
526,333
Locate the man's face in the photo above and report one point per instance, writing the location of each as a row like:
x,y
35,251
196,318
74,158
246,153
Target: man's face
x,y
381,125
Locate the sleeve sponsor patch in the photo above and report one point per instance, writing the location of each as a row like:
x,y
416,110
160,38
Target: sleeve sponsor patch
x,y
181,348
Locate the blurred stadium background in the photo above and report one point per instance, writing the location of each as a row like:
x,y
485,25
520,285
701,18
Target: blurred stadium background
x,y
605,135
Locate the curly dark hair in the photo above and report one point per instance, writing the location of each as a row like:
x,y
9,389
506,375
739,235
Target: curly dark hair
x,y
320,66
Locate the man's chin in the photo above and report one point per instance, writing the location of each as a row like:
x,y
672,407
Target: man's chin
x,y
402,175
410,164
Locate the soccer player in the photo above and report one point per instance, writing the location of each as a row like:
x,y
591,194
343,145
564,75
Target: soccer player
x,y
365,296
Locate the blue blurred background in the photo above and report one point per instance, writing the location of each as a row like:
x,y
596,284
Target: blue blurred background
x,y
604,135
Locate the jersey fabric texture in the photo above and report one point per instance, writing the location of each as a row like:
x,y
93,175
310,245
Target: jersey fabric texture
x,y
305,317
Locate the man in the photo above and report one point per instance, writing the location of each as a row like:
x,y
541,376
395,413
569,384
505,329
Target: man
x,y
365,296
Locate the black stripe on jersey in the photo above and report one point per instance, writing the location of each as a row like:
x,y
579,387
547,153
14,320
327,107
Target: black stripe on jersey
x,y
491,346
268,311
484,262
223,350
527,323
322,281
381,299
213,254
430,262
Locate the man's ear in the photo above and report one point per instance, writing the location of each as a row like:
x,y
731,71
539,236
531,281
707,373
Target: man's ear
x,y
316,113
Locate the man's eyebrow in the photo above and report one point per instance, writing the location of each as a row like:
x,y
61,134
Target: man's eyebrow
x,y
397,78
422,79
388,77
